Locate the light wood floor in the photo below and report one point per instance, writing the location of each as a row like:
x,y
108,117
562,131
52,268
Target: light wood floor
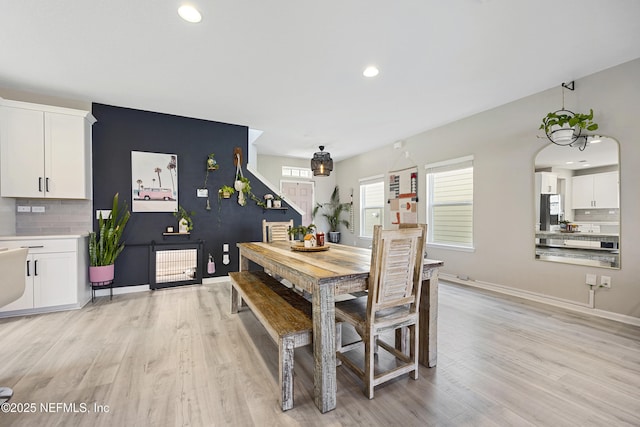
x,y
176,357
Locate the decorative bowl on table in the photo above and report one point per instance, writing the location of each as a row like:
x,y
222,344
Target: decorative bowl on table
x,y
300,247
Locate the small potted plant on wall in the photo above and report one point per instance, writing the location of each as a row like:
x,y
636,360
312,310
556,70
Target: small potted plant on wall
x,y
225,192
185,223
106,245
243,187
332,211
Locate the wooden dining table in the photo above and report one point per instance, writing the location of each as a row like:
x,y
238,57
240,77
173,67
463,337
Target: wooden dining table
x,y
339,270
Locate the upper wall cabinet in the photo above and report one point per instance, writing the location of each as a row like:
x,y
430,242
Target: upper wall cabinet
x,y
546,183
598,190
45,152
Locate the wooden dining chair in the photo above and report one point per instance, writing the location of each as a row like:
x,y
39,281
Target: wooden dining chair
x,y
392,302
273,231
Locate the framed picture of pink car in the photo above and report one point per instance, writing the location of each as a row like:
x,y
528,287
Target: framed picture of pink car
x,y
154,182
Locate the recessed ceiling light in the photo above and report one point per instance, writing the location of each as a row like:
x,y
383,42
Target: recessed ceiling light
x,y
189,14
569,163
371,71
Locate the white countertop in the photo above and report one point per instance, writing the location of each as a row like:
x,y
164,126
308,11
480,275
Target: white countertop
x,y
44,237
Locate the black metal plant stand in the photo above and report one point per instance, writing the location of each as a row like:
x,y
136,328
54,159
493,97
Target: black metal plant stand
x,y
101,285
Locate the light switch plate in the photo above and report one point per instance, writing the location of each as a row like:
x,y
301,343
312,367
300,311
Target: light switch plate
x,y
225,247
24,208
106,213
202,192
38,209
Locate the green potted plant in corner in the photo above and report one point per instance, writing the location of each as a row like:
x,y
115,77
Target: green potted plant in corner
x,y
185,223
332,211
560,126
106,245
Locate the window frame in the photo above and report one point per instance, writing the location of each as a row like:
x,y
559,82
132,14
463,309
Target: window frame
x,y
459,163
363,182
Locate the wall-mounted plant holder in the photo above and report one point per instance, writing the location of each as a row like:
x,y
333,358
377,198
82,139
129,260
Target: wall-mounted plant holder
x,y
212,164
237,156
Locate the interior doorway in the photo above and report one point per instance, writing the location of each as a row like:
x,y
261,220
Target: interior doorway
x,y
300,193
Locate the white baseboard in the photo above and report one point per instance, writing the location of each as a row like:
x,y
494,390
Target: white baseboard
x,y
212,280
544,299
122,290
144,288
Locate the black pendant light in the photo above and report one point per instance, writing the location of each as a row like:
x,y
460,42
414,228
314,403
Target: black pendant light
x,y
321,164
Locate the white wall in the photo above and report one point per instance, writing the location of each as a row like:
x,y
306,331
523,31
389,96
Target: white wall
x,y
504,142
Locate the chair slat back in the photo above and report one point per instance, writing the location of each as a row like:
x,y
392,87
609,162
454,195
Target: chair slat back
x,y
396,268
273,231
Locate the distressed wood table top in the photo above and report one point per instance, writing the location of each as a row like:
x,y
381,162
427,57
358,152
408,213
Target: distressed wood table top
x,y
345,267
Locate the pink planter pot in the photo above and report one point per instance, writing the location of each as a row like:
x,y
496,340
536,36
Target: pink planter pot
x,y
101,274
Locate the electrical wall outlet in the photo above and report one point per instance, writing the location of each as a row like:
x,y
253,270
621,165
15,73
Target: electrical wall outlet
x,y
605,281
24,208
106,213
591,279
38,209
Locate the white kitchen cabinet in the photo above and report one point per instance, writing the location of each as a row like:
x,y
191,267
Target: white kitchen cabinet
x,y
56,274
596,191
45,152
546,183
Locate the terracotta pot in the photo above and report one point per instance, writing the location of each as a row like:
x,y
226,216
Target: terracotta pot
x,y
101,274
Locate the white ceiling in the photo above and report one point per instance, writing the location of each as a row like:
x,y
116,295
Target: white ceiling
x,y
603,153
293,69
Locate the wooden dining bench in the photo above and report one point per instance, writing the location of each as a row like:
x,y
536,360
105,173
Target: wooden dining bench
x,y
285,314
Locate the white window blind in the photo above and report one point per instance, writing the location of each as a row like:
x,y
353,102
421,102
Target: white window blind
x,y
371,204
450,202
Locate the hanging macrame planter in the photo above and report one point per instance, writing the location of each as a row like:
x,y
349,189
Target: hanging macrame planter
x,y
240,183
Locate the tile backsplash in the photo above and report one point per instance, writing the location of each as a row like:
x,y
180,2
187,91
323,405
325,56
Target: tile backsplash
x,y
594,215
59,217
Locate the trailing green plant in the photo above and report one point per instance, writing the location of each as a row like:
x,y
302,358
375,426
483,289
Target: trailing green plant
x,y
105,246
561,118
332,210
258,201
247,184
181,213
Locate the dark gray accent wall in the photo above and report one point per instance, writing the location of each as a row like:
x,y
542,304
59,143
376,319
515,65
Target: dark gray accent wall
x,y
119,131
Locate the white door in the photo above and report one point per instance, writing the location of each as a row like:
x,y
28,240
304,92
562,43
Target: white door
x,y
300,193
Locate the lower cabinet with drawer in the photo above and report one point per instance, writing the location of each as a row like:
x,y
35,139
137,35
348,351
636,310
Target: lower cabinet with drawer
x,y
55,273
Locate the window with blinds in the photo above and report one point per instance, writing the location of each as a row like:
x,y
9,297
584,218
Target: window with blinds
x,y
450,202
292,171
371,204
